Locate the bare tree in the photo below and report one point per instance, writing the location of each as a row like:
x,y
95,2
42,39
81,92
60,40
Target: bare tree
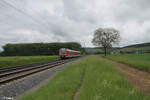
x,y
106,37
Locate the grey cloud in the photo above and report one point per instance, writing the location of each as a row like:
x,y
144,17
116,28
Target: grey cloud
x,y
72,20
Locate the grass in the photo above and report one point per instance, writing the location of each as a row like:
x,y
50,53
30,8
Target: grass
x,y
62,86
104,82
21,60
140,61
101,82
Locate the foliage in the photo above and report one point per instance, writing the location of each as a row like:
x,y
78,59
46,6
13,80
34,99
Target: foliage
x,y
101,81
106,37
31,49
1,53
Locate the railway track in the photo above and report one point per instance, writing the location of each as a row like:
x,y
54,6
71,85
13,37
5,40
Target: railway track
x,y
10,74
3,70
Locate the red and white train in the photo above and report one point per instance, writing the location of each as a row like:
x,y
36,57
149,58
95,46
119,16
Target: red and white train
x,y
66,53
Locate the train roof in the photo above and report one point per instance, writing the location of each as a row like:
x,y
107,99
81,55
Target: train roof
x,y
70,50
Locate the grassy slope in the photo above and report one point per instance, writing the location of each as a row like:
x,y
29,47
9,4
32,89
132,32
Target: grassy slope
x,y
140,61
101,82
20,60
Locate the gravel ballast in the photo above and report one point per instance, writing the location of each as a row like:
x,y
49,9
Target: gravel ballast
x,y
14,89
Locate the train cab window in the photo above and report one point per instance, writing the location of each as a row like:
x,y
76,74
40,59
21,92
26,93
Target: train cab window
x,y
63,51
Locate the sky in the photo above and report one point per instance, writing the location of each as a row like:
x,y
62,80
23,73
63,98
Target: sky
x,y
29,21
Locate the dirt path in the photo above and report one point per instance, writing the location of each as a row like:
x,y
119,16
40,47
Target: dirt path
x,y
75,97
139,79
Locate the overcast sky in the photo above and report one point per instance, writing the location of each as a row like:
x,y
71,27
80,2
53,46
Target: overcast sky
x,y
73,20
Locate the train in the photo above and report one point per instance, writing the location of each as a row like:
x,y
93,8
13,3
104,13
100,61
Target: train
x,y
68,53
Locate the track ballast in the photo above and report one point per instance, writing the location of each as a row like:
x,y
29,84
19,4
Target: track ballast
x,y
10,74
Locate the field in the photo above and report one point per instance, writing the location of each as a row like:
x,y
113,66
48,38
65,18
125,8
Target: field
x,y
21,60
140,61
94,50
92,78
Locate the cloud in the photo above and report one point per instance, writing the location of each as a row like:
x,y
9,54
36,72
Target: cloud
x,y
66,20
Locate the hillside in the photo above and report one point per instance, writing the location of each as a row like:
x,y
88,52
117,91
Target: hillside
x,y
98,50
136,48
138,45
95,50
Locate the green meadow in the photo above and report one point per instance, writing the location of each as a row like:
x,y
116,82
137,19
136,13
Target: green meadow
x,y
21,60
140,61
101,81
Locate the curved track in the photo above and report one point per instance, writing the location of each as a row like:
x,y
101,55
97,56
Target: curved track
x,y
10,74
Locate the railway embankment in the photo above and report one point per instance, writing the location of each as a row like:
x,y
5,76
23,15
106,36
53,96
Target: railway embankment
x,y
17,87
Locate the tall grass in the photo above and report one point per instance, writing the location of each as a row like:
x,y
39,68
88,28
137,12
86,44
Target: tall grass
x,y
20,60
140,61
101,82
62,86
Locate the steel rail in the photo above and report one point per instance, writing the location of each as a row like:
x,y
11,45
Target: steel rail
x,y
19,70
3,70
17,74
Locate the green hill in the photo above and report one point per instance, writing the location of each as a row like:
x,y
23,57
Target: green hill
x,y
94,50
98,50
136,48
138,45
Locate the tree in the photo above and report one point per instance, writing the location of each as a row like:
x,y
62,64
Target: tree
x,y
106,37
33,49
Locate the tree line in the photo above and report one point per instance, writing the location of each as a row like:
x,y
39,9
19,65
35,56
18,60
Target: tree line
x,y
35,49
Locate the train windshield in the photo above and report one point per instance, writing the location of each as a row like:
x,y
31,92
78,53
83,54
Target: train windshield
x,y
63,51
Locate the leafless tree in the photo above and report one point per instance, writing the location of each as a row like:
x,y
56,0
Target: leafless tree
x,y
106,37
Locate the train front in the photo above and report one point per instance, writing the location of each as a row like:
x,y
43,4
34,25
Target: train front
x,y
62,53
